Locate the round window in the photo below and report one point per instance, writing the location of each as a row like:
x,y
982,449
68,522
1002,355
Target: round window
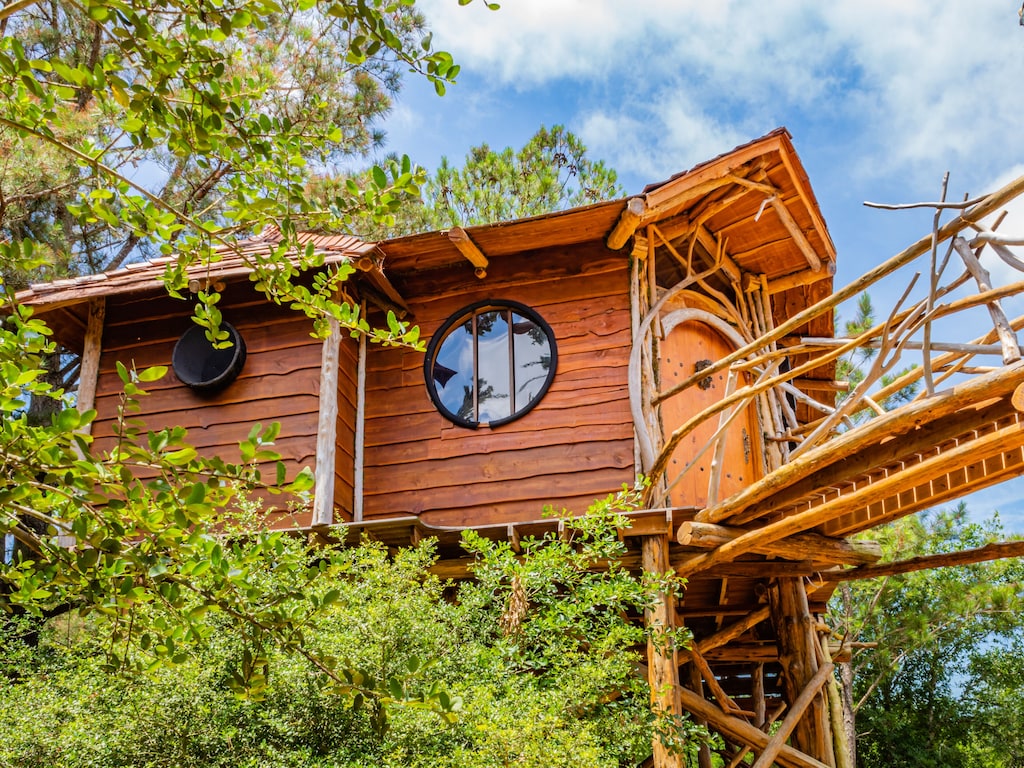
x,y
490,363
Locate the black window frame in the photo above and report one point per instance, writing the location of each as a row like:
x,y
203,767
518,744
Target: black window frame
x,y
471,312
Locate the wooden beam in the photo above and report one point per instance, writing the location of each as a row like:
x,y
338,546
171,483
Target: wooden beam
x,y
874,434
703,751
748,569
801,278
796,233
461,240
743,733
989,552
359,449
1017,398
793,717
807,546
724,702
841,746
757,692
860,497
976,473
799,649
88,374
890,450
376,278
820,385
327,425
627,224
738,653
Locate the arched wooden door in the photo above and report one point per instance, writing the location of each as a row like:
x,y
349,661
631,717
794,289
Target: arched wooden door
x,y
689,346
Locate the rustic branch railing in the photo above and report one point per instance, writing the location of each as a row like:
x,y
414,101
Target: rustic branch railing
x,y
909,337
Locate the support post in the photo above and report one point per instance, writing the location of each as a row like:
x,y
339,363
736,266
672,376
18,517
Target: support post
x,y
327,427
662,657
697,684
89,373
360,439
798,656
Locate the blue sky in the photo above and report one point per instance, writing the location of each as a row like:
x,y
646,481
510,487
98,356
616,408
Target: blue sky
x,y
882,97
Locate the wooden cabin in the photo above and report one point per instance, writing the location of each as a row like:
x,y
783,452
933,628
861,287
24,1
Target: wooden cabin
x,y
574,300
683,334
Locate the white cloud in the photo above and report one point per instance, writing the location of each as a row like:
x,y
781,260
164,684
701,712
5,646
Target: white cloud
x,y
658,137
912,87
1012,224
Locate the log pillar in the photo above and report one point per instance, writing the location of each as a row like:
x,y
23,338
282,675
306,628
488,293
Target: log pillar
x,y
326,442
662,655
88,375
697,685
799,652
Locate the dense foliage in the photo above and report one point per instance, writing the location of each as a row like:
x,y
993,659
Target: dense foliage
x,y
172,129
941,687
532,664
551,172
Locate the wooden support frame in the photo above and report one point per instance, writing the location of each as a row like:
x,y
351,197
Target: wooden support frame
x,y
742,732
382,291
628,223
994,551
807,546
799,649
662,655
892,425
327,428
876,491
88,375
359,449
801,279
794,717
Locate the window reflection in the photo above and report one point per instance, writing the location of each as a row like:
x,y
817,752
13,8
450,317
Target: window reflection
x,y
492,365
493,381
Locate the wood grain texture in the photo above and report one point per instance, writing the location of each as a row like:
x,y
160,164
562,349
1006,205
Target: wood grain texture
x,y
574,446
280,381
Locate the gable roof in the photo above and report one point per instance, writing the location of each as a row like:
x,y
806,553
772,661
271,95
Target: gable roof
x,y
755,200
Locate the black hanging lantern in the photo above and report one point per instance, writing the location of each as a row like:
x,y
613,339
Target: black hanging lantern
x,y
201,366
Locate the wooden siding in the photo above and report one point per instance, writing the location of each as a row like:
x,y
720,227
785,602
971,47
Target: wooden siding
x,y
345,430
574,446
279,382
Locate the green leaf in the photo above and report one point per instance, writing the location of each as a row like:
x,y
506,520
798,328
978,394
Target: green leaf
x,y
395,688
68,420
181,456
153,373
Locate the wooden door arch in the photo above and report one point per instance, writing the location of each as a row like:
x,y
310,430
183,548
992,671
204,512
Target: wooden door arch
x,y
693,339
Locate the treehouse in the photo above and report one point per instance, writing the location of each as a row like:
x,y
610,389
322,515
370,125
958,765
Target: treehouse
x,y
685,334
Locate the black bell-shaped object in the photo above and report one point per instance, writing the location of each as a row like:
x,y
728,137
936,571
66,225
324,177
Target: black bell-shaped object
x,y
202,367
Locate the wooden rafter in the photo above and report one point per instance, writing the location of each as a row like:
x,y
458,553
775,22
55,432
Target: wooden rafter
x,y
986,553
461,240
628,223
